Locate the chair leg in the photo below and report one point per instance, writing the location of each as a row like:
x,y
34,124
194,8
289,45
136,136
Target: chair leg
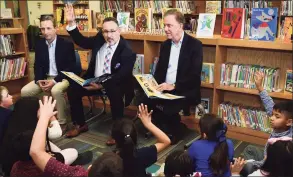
x,y
103,111
90,111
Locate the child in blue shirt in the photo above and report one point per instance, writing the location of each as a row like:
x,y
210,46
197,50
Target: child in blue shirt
x,y
281,123
213,153
5,103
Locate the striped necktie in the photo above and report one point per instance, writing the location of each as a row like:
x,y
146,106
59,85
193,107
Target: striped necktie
x,y
107,60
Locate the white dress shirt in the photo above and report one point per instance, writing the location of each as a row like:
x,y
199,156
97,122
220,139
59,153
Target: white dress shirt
x,y
52,61
101,54
173,61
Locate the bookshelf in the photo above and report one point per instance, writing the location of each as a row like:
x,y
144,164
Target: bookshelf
x,y
18,37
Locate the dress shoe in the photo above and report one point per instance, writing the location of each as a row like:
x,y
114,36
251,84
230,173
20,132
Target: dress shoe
x,y
110,142
77,130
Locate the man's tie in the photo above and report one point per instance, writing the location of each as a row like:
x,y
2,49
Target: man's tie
x,y
107,60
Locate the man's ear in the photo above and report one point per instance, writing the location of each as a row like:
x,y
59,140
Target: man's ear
x,y
289,122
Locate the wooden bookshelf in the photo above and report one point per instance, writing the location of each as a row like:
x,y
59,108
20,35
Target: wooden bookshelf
x,y
5,31
13,55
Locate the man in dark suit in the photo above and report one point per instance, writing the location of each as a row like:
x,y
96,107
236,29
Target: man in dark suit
x,y
178,72
53,54
110,54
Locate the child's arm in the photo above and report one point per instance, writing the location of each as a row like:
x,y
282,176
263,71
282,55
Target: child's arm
x,y
54,129
267,101
163,140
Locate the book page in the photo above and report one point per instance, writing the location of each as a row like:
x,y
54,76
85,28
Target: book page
x,y
74,77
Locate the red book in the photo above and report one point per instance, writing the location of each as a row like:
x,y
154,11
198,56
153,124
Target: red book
x,y
233,23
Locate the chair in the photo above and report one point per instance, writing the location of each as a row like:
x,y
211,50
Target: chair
x,y
78,71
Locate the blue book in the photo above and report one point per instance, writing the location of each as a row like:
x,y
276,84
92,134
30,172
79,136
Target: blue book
x,y
263,25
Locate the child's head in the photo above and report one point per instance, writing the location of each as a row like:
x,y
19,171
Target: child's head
x,y
107,165
5,98
279,159
125,135
178,163
213,129
282,116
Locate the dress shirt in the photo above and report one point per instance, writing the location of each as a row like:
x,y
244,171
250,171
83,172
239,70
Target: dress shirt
x,y
173,61
52,62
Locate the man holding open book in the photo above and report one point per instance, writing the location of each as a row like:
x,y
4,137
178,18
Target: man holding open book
x,y
178,72
110,55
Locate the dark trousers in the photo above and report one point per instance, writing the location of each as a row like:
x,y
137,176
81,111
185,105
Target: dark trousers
x,y
75,93
166,114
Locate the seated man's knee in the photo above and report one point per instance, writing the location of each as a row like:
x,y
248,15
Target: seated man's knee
x,y
56,92
25,91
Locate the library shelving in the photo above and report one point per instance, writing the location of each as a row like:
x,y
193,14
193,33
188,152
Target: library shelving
x,y
19,41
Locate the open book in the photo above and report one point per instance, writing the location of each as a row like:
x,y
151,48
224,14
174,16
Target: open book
x,y
98,80
149,84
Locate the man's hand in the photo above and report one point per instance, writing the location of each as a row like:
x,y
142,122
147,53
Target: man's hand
x,y
258,78
93,86
47,108
144,115
69,14
48,86
237,166
165,86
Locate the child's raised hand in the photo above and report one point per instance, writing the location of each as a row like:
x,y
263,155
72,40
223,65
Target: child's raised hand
x,y
144,115
258,78
47,108
238,165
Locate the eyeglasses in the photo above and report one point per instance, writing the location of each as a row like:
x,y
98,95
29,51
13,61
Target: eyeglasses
x,y
111,31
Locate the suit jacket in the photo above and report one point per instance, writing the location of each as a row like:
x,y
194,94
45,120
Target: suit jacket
x,y
122,62
64,57
188,79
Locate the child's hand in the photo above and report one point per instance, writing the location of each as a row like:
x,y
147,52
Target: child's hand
x,y
144,115
258,78
237,166
47,108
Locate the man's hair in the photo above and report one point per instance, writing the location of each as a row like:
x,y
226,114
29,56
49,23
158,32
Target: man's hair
x,y
109,164
111,19
178,15
47,17
285,108
2,88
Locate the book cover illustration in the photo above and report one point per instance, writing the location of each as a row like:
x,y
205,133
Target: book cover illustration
x,y
288,29
123,20
149,85
289,81
207,73
142,19
263,24
206,25
202,108
138,67
213,7
233,23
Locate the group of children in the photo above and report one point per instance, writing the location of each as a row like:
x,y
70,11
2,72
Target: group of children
x,y
25,133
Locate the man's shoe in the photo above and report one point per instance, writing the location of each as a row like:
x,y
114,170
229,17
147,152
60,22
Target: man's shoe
x,y
110,142
77,130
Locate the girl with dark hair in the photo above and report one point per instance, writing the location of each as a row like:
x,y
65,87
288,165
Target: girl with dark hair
x,y
213,153
24,118
135,161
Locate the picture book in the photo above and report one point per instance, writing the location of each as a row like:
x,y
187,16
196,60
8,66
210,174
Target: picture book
x,y
143,18
206,25
123,20
202,108
263,24
149,85
207,73
213,7
83,83
288,29
233,23
289,81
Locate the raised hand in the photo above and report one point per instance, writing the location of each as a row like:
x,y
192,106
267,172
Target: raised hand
x,y
258,78
238,165
47,108
144,115
69,14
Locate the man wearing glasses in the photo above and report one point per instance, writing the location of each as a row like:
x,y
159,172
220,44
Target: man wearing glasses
x,y
110,54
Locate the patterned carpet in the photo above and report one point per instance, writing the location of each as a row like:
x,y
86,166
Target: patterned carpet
x,y
91,144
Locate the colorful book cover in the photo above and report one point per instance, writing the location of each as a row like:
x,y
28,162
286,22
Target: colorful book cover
x,y
207,73
289,80
202,108
108,14
264,24
288,29
206,25
213,7
233,23
123,20
138,67
142,19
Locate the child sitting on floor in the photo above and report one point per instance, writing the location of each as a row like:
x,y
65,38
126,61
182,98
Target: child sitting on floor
x,y
5,103
213,153
281,123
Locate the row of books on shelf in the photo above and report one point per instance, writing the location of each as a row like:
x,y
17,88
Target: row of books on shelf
x,y
116,6
70,1
12,68
6,45
287,7
242,76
